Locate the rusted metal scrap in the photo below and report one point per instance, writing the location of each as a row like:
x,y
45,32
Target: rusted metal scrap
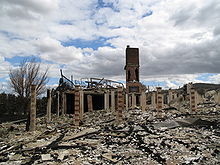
x,y
86,83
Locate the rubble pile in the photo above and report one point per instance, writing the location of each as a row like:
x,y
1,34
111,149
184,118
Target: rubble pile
x,y
142,138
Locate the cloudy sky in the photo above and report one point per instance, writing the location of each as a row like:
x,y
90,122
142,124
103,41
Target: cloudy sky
x,y
178,40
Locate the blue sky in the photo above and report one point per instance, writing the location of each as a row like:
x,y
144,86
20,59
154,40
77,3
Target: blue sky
x,y
178,40
94,44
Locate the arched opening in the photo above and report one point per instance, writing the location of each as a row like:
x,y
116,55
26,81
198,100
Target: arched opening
x,y
129,75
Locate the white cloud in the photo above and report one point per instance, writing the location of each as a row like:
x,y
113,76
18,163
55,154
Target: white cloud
x,y
11,45
215,79
4,67
4,87
52,50
53,69
13,7
175,81
105,62
177,42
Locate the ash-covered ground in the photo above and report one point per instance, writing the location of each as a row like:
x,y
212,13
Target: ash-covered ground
x,y
170,137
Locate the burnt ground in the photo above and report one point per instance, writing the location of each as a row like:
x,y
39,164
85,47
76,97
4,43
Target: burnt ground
x,y
10,118
142,138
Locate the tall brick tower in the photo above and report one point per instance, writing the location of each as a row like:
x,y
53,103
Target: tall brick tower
x,y
132,70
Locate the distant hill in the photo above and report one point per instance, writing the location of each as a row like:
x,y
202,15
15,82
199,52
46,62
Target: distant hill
x,y
204,87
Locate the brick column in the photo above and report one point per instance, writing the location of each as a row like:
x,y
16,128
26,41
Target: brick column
x,y
218,97
120,106
127,101
33,109
193,104
89,101
133,100
81,104
48,105
153,100
180,99
175,95
106,100
170,96
77,107
188,87
159,99
112,100
143,101
199,98
58,103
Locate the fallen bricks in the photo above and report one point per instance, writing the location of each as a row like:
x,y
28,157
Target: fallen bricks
x,y
100,140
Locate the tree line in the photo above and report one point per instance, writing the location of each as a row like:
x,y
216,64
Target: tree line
x,y
11,104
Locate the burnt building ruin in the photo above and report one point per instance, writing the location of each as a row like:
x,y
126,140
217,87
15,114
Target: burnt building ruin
x,y
101,121
92,94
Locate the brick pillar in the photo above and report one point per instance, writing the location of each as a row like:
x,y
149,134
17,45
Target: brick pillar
x,y
33,109
133,104
120,106
81,104
89,101
188,87
159,99
112,100
199,98
175,95
106,97
218,97
77,107
126,100
48,105
170,97
193,104
153,100
129,101
63,104
143,101
180,99
58,103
